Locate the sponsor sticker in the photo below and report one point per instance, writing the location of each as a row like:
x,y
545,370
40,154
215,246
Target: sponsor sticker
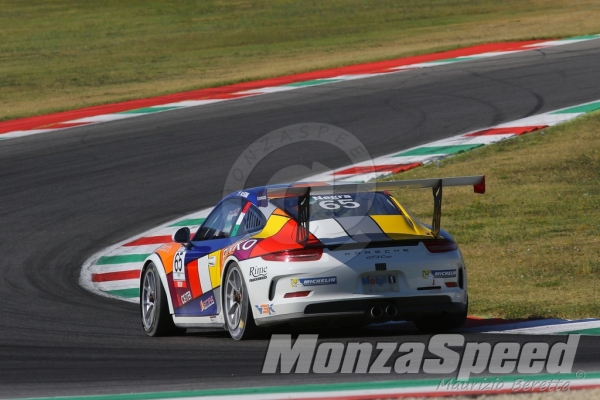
x,y
187,296
300,282
378,280
243,245
440,273
257,274
265,309
332,197
204,304
165,248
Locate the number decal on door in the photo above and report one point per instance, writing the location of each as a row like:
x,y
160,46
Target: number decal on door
x,y
178,266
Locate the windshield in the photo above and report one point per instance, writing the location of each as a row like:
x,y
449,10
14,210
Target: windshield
x,y
341,205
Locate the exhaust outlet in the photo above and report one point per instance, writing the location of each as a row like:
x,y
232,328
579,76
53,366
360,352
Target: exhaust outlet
x,y
391,311
376,312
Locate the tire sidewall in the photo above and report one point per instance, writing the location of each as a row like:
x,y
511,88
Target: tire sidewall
x,y
242,331
162,324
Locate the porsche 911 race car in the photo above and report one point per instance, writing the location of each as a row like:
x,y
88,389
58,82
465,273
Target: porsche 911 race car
x,y
312,253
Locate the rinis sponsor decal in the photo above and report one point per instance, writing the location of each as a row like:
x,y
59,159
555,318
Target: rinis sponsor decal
x,y
204,304
257,274
450,354
300,282
440,273
265,309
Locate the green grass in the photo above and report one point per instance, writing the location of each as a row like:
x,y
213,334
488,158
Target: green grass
x,y
57,55
532,242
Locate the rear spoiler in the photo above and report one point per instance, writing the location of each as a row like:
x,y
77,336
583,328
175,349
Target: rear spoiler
x,y
304,190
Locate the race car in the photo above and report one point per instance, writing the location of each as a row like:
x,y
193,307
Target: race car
x,y
309,253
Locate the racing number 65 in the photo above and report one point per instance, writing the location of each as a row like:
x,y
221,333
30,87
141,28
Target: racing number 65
x,y
178,264
333,204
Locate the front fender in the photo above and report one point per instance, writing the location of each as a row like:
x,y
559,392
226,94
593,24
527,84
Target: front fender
x,y
163,277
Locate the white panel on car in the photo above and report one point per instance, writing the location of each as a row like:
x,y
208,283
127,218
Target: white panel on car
x,y
327,228
205,282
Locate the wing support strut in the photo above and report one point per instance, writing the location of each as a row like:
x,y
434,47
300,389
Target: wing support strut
x,y
302,230
437,209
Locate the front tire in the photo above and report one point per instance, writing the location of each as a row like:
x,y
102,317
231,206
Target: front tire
x,y
236,305
156,318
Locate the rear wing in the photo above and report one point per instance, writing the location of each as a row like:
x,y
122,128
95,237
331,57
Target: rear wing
x,y
304,190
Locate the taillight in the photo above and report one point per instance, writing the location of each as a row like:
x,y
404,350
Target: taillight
x,y
297,294
313,254
440,246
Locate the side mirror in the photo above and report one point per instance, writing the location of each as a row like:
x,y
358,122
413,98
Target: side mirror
x,y
182,235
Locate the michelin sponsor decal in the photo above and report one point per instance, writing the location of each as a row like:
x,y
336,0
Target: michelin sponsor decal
x,y
300,282
440,273
447,354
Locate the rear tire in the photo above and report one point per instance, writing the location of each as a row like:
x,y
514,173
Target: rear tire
x,y
154,306
236,305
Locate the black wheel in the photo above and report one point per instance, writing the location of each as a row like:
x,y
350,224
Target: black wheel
x,y
156,318
442,323
236,305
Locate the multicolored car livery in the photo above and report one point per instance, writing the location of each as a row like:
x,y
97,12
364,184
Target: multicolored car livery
x,y
312,253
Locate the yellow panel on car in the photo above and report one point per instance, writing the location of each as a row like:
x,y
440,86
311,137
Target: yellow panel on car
x,y
274,225
214,268
400,227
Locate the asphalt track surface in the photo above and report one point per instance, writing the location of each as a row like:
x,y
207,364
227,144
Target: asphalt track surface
x,y
68,194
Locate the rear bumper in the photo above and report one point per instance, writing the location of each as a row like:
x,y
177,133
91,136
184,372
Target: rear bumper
x,y
404,305
407,308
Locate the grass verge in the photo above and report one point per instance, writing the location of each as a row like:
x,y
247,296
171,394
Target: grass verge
x,y
532,242
64,54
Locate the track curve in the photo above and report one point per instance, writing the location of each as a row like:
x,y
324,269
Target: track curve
x,y
68,194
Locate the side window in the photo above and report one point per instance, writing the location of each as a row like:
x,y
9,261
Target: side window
x,y
221,220
254,221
